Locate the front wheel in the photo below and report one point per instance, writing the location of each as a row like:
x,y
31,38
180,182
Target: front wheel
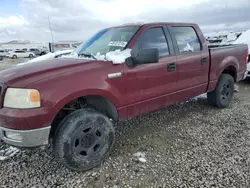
x,y
14,57
31,55
223,93
84,139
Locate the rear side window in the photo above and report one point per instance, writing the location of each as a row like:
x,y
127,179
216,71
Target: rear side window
x,y
154,38
187,39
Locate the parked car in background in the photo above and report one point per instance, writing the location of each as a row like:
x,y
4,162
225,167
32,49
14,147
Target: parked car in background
x,y
20,53
3,53
36,51
49,56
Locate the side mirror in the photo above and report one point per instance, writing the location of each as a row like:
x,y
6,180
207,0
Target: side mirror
x,y
143,56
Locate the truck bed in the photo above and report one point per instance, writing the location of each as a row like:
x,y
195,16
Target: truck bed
x,y
220,55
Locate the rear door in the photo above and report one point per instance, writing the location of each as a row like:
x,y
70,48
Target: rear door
x,y
149,84
192,61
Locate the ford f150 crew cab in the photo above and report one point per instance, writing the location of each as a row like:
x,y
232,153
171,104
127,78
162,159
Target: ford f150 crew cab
x,y
117,74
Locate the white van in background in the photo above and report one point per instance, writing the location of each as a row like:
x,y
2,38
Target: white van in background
x,y
3,52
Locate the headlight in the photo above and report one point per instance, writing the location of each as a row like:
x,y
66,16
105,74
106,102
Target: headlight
x,y
22,98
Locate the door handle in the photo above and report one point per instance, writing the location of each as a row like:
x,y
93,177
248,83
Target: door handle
x,y
203,60
171,67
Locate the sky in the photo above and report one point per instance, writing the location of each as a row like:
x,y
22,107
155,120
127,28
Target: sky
x,y
79,19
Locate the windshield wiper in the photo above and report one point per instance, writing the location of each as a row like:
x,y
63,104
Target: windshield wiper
x,y
87,55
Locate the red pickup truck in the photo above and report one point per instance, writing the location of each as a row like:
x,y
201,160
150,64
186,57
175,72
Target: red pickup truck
x,y
74,101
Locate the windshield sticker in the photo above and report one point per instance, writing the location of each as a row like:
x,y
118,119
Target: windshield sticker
x,y
117,43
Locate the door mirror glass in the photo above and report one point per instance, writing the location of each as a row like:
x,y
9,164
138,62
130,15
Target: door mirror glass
x,y
143,56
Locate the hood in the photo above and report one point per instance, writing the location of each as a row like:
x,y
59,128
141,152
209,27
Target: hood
x,y
22,75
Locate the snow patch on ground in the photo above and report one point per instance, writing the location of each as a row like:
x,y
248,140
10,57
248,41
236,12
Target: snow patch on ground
x,y
139,156
202,96
8,152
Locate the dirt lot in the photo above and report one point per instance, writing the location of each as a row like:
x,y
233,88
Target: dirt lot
x,y
7,62
185,145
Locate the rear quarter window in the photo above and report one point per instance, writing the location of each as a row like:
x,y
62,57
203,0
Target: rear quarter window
x,y
186,38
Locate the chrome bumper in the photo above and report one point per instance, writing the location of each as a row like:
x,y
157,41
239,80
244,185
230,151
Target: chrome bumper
x,y
25,138
246,74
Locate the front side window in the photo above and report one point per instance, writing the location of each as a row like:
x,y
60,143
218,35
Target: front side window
x,y
154,38
187,39
108,40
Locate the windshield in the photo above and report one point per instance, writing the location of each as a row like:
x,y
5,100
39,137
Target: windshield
x,y
108,40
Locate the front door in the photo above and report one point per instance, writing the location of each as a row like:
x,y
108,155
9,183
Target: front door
x,y
148,85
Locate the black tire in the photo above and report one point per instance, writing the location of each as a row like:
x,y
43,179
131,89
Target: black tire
x,y
223,93
31,55
84,139
14,57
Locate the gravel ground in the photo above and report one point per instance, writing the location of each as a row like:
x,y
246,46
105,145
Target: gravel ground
x,y
185,145
7,62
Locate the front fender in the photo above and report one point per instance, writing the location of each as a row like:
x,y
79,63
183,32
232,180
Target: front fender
x,y
97,92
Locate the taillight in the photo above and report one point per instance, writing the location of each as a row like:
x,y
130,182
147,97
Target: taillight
x,y
247,57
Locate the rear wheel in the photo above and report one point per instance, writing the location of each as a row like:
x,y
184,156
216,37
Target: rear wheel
x,y
223,93
14,57
84,139
31,55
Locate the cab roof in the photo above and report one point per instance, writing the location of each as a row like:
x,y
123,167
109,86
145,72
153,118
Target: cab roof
x,y
139,24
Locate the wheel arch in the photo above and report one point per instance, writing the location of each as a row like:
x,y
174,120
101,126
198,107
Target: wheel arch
x,y
231,70
97,102
229,65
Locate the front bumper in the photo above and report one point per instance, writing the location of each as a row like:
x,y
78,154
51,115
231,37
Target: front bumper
x,y
26,138
28,127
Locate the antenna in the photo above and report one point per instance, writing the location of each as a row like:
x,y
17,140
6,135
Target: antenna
x,y
51,30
